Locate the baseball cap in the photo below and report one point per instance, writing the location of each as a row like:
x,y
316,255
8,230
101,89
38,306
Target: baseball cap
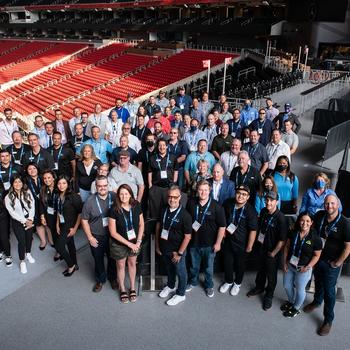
x,y
272,195
243,188
288,105
157,110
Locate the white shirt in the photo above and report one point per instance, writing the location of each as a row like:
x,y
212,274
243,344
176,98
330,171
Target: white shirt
x,y
134,143
216,189
6,130
44,140
60,128
99,120
17,213
275,151
228,161
72,123
114,130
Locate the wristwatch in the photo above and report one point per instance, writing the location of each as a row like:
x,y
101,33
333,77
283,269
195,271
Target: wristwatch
x,y
180,254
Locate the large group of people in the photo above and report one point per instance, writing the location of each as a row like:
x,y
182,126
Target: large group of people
x,y
217,181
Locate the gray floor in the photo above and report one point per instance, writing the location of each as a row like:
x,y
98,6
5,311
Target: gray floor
x,y
43,310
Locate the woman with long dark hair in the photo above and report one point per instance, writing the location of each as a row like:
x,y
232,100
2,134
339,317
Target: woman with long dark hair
x,y
34,183
69,207
287,185
267,184
48,205
301,253
126,227
21,206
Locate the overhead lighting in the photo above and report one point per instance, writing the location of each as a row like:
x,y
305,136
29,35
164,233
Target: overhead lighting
x,y
185,5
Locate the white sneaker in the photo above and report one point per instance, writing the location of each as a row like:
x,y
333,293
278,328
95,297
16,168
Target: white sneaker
x,y
165,292
8,261
1,256
176,299
225,287
235,289
23,267
30,259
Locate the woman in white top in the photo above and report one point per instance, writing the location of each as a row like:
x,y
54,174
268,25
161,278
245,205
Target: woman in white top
x,y
20,204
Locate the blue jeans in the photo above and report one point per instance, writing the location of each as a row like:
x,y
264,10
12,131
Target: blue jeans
x,y
174,270
84,194
294,282
325,284
99,255
198,255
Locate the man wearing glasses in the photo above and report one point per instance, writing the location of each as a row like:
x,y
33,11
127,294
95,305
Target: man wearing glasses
x,y
242,225
134,142
173,233
263,126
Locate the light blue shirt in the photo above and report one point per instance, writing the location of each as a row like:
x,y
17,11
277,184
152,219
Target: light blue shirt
x,y
260,203
193,138
312,202
286,189
248,115
101,148
192,161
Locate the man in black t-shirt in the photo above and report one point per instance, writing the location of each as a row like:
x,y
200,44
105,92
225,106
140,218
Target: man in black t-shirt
x,y
208,230
162,173
271,237
334,230
242,224
7,168
63,157
18,148
173,233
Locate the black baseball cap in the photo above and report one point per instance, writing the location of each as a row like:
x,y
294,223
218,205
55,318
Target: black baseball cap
x,y
272,195
157,110
243,188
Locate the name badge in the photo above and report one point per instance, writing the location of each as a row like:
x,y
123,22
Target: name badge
x,y
261,238
294,261
17,161
182,106
61,218
131,234
323,242
14,152
249,121
164,234
163,174
7,185
56,165
246,140
50,210
233,134
31,158
105,222
231,228
196,226
193,148
260,131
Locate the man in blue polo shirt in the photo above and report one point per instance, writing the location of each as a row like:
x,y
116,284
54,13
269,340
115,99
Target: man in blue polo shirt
x,y
248,113
122,112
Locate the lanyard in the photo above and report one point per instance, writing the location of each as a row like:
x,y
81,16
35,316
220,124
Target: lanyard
x,y
327,232
96,118
193,139
175,147
32,157
173,219
10,173
78,141
22,151
98,203
99,149
236,125
7,128
60,205
268,223
275,151
59,153
261,125
245,176
32,187
234,216
159,160
52,197
253,149
126,221
295,244
143,131
205,212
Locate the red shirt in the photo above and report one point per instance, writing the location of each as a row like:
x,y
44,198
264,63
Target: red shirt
x,y
164,121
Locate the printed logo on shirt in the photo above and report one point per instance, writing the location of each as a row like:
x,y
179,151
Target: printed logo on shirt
x,y
308,242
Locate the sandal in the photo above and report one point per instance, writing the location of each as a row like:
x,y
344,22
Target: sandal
x,y
133,296
124,298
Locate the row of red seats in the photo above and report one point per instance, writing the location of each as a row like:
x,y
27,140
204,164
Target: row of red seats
x,y
7,45
66,68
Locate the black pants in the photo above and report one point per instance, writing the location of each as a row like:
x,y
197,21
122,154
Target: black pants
x,y
158,199
24,238
70,256
98,255
51,223
234,261
5,233
267,271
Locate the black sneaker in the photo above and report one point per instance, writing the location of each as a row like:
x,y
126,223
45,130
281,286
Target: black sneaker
x,y
292,312
286,306
267,303
8,261
254,291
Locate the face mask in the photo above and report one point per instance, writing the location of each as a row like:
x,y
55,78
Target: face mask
x,y
281,167
268,187
193,128
150,143
287,109
320,184
246,106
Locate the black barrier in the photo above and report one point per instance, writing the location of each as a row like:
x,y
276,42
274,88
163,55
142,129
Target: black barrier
x,y
325,119
336,140
339,105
